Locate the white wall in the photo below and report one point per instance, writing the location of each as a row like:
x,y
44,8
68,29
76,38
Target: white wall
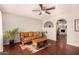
x,y
25,24
1,37
69,13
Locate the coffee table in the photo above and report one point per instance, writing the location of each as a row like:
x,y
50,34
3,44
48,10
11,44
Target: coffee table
x,y
40,42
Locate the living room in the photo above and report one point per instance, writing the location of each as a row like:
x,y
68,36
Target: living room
x,y
29,22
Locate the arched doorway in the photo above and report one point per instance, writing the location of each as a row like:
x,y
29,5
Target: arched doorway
x,y
61,36
48,29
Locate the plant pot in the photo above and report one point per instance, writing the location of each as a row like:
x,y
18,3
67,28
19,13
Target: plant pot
x,y
11,42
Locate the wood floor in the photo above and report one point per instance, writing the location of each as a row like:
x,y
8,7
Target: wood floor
x,y
53,49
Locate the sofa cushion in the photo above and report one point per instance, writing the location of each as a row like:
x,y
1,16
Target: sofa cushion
x,y
30,34
37,34
25,34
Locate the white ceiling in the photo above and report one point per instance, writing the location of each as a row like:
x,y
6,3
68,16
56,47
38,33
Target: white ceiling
x,y
23,10
26,10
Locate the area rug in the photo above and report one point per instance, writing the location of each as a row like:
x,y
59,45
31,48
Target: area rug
x,y
34,50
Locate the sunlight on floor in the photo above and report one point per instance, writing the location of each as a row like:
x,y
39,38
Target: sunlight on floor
x,y
24,47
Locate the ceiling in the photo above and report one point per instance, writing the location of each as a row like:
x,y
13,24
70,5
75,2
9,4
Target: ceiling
x,y
24,10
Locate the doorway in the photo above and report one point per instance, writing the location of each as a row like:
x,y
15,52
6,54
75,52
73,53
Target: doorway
x,y
61,35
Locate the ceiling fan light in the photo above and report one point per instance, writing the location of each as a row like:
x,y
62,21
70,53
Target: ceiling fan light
x,y
43,12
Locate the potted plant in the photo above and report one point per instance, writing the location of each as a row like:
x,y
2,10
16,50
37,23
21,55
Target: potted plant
x,y
10,35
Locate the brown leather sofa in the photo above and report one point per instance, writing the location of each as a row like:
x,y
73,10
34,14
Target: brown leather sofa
x,y
27,37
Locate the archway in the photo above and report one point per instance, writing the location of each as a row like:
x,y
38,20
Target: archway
x,y
61,35
48,29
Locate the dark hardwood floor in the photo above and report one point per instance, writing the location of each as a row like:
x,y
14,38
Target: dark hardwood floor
x,y
53,49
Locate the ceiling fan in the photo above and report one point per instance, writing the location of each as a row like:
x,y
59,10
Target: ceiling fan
x,y
44,9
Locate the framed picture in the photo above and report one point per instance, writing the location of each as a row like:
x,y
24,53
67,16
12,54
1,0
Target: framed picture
x,y
76,25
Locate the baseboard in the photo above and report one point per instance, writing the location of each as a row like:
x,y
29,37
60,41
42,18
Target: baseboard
x,y
1,50
5,43
73,44
52,39
8,43
68,43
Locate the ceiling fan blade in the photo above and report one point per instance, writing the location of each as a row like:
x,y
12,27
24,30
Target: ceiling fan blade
x,y
50,8
41,6
47,12
36,10
40,13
